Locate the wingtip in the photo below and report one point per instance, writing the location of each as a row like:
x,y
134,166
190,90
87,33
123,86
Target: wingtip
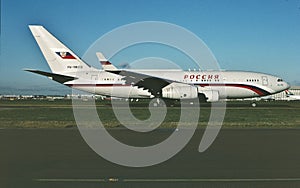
x,y
26,69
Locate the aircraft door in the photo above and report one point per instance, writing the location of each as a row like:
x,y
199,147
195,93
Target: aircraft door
x,y
264,80
94,77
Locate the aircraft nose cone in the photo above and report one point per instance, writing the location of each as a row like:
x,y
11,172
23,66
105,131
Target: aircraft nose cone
x,y
287,85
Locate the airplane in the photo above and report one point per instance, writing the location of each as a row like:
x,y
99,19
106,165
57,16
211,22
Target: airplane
x,y
212,86
291,96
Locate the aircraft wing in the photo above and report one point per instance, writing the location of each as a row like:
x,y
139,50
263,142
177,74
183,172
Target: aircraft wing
x,y
153,84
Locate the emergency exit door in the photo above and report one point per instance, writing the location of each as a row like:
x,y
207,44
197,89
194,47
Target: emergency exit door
x,y
264,80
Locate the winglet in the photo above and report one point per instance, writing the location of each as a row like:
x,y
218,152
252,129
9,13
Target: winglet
x,y
106,65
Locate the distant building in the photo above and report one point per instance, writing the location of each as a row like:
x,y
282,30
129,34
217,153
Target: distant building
x,y
295,90
10,97
282,95
26,96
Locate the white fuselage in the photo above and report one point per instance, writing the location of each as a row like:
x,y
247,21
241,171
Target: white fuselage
x,y
228,84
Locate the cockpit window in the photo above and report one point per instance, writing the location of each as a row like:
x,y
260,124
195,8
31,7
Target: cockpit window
x,y
279,80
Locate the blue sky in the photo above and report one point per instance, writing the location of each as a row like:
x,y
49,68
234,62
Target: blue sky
x,y
249,35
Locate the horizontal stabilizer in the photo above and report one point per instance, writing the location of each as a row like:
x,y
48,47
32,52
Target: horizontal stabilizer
x,y
56,77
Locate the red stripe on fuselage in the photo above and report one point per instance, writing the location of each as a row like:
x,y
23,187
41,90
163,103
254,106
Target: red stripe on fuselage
x,y
259,91
96,85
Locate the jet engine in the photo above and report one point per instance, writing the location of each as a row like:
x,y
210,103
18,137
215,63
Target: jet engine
x,y
210,95
180,91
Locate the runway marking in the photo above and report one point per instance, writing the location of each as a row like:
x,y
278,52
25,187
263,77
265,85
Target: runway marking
x,y
172,180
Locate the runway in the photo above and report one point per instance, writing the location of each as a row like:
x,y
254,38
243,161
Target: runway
x,y
237,158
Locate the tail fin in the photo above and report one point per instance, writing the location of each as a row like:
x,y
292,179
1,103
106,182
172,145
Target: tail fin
x,y
106,65
59,58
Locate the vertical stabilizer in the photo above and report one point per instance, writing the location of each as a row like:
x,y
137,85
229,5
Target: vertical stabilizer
x,y
59,58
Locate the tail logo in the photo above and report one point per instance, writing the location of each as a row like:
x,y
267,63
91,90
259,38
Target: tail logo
x,y
65,55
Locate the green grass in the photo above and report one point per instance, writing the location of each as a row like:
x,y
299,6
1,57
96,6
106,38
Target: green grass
x,y
59,114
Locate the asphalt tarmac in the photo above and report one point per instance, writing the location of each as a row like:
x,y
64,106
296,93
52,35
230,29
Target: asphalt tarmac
x,y
237,158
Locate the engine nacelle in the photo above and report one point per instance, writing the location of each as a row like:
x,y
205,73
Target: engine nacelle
x,y
210,95
180,91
